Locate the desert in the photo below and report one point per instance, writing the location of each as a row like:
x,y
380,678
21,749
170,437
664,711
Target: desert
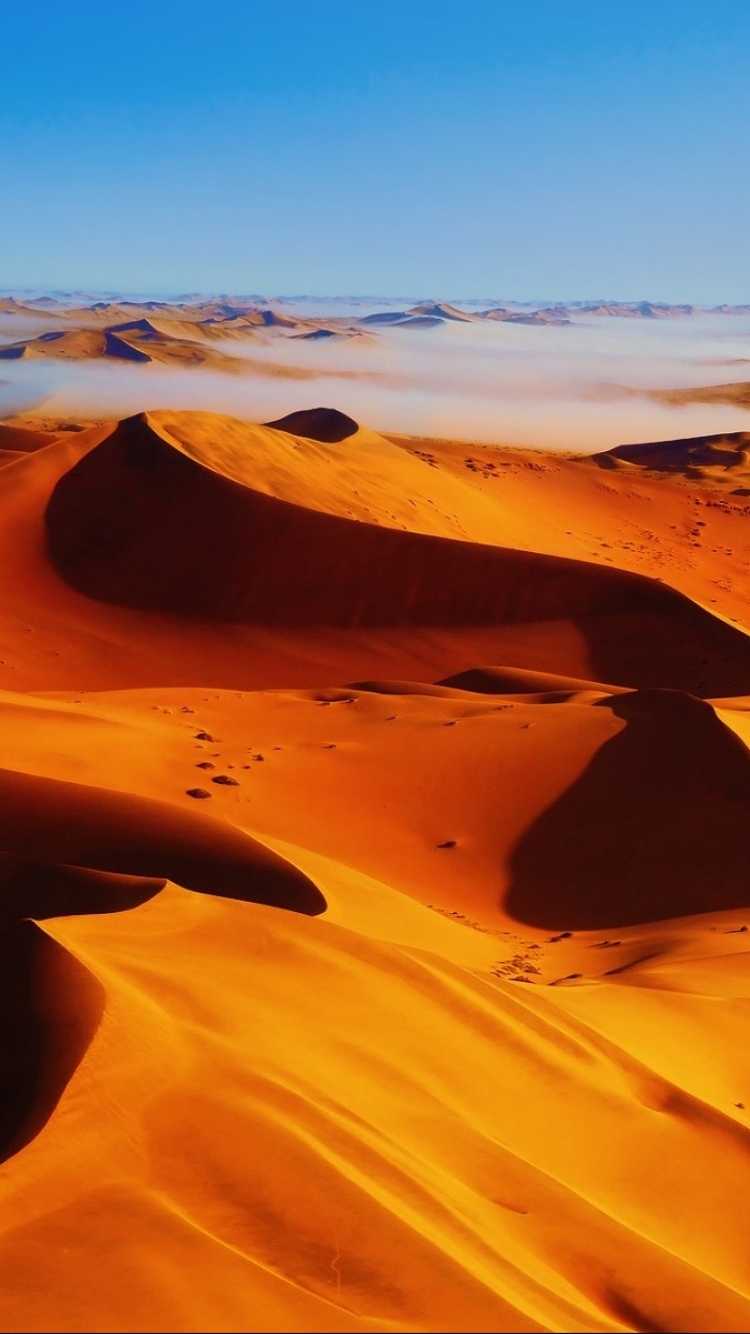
x,y
374,853
374,668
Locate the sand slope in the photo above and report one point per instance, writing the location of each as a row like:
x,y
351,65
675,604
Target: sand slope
x,y
716,458
372,882
231,552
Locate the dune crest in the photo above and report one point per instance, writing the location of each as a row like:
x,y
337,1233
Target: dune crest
x,y
698,457
141,522
325,424
676,783
50,1009
517,681
110,831
79,344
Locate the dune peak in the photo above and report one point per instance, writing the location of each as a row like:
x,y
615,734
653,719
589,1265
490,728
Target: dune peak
x,y
326,424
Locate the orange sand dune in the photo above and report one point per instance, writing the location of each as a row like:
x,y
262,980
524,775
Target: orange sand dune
x,y
515,681
79,343
62,823
178,337
159,329
451,1030
24,440
326,424
63,641
715,458
237,554
137,341
665,521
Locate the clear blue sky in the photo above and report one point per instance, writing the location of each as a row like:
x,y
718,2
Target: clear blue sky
x,y
525,149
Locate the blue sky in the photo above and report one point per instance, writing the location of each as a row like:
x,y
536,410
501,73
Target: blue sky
x,y
532,151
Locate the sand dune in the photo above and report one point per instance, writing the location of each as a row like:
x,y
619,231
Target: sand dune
x,y
61,823
75,345
707,456
557,316
678,780
233,553
24,440
136,341
515,681
372,878
315,335
408,319
326,424
442,310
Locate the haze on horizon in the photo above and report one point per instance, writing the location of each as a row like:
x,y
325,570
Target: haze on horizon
x,y
588,382
552,152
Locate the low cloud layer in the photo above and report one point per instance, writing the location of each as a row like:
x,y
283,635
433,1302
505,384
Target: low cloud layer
x,y
565,388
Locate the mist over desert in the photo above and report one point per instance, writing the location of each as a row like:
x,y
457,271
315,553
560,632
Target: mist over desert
x,y
585,380
374,668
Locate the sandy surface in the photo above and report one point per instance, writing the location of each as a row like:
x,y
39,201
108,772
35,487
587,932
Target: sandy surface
x,y
374,880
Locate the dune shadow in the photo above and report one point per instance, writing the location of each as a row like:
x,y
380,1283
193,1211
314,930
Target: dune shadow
x,y
41,889
50,1009
655,828
50,1004
71,844
139,523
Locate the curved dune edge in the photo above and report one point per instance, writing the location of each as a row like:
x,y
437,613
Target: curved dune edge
x,y
349,1209
39,889
326,424
81,344
569,810
664,804
25,440
230,552
50,1009
503,680
46,819
694,456
139,523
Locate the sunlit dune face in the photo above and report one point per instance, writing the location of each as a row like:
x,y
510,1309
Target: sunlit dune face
x,y
373,895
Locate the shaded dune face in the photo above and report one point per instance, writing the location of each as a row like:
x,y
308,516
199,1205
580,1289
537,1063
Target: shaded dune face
x,y
516,681
50,1004
22,440
688,456
326,424
655,828
50,1009
139,523
38,889
58,822
117,347
80,343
